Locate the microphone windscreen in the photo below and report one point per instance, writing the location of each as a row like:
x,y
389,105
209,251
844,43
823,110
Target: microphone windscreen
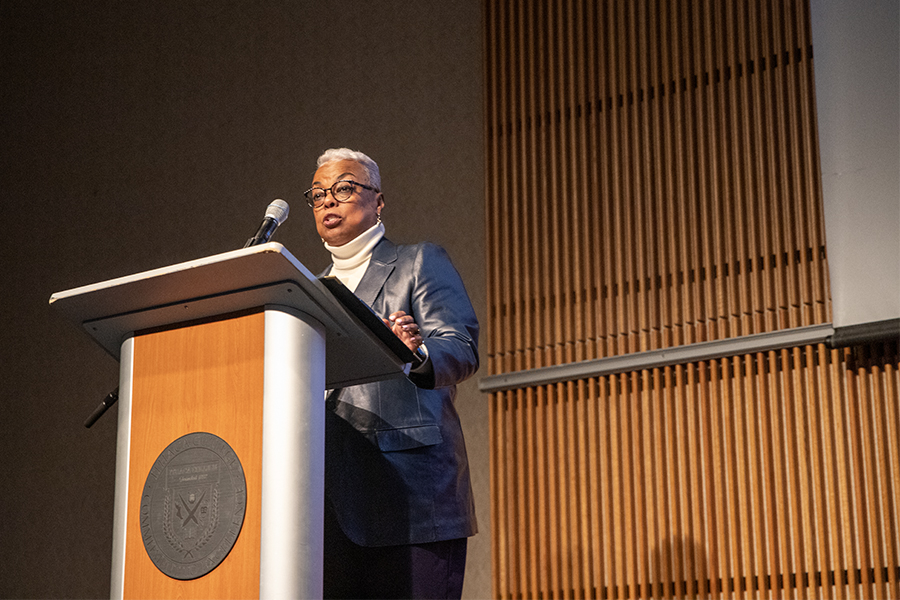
x,y
278,211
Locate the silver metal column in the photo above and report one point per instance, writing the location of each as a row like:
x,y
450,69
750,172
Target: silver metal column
x,y
123,457
293,471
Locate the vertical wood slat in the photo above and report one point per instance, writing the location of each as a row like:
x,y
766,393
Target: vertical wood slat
x,y
651,182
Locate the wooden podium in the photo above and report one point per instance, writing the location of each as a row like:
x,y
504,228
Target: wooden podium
x,y
231,354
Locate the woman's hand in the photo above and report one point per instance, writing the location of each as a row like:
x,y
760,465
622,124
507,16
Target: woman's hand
x,y
405,328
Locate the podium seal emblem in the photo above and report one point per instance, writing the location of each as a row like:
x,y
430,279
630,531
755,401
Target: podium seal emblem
x,y
193,505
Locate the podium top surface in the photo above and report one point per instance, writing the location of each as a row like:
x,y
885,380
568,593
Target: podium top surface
x,y
264,275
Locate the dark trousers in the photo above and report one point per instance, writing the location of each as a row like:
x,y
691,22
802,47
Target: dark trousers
x,y
432,570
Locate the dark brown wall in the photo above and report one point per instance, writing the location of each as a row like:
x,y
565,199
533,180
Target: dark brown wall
x,y
136,135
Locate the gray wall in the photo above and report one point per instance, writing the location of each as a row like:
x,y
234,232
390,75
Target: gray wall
x,y
858,109
137,135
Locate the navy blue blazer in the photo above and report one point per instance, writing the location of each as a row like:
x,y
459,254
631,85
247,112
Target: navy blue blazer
x,y
396,470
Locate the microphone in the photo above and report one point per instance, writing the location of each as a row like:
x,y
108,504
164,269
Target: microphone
x,y
110,399
276,214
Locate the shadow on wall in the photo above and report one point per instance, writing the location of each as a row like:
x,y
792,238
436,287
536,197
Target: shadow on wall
x,y
680,568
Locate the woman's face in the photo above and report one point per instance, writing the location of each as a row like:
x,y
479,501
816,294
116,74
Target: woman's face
x,y
340,222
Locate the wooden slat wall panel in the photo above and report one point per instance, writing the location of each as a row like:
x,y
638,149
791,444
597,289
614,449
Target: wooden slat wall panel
x,y
652,181
767,474
652,176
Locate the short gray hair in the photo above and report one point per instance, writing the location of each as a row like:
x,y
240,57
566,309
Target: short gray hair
x,y
368,165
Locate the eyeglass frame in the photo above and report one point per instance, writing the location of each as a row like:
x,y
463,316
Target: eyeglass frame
x,y
311,203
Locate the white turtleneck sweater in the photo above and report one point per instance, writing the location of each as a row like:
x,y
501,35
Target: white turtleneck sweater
x,y
352,259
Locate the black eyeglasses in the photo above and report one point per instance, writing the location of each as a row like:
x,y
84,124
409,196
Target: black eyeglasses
x,y
340,191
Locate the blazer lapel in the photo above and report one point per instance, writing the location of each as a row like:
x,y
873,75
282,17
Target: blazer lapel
x,y
380,267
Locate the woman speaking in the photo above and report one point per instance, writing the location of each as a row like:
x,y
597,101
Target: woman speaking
x,y
398,497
